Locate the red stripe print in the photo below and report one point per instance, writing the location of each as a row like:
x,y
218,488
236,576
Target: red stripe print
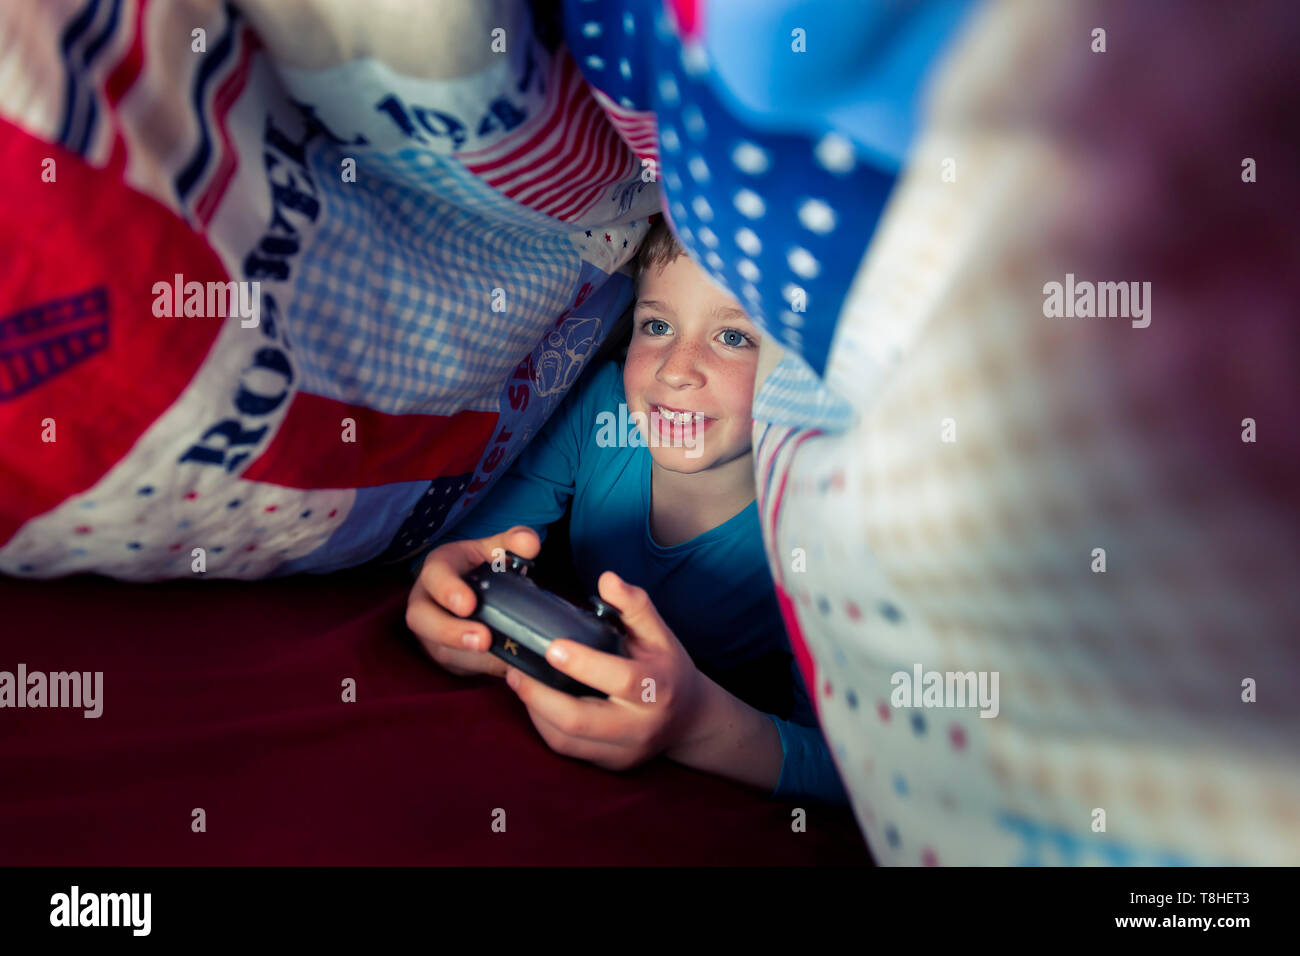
x,y
581,166
799,645
562,164
771,464
511,149
221,103
785,475
128,68
617,164
119,81
639,129
614,165
540,169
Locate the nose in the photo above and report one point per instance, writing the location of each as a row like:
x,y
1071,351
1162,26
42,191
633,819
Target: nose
x,y
683,366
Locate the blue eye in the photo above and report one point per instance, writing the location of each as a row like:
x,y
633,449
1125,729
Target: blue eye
x,y
734,338
657,327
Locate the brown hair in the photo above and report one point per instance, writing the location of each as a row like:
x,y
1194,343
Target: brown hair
x,y
658,249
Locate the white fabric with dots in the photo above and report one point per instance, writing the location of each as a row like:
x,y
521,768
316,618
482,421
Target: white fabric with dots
x,y
1118,692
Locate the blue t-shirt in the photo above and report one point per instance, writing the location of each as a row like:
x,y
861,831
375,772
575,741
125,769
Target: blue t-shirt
x,y
714,591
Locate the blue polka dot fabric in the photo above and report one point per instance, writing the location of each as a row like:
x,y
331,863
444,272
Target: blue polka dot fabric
x,y
780,217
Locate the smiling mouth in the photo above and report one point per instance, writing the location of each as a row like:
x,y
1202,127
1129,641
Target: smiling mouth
x,y
679,416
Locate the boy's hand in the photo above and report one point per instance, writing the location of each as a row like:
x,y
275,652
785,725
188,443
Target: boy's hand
x,y
440,600
655,694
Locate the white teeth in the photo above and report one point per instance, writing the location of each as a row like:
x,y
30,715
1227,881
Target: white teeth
x,y
679,418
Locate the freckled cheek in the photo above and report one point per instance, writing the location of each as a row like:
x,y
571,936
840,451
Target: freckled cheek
x,y
734,386
638,372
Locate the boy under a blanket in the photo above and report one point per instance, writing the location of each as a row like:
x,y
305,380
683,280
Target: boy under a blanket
x,y
665,525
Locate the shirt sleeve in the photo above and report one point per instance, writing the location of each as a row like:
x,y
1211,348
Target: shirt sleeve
x,y
537,487
807,769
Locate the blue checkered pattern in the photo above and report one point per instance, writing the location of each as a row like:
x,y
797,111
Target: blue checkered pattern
x,y
793,395
393,307
432,172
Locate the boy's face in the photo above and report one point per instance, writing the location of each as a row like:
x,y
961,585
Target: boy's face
x,y
693,350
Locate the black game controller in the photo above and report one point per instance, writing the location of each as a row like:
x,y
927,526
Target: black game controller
x,y
524,620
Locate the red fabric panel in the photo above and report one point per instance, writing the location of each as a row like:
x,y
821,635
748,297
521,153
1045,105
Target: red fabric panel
x,y
308,450
226,696
103,385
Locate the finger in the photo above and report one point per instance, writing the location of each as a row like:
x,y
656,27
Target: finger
x,y
637,611
520,539
607,755
444,569
436,628
442,572
618,677
467,663
587,718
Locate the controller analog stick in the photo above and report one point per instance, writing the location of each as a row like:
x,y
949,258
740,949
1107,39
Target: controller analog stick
x,y
605,611
518,565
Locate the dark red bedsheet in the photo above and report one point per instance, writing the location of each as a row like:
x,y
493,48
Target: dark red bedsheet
x,y
227,696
